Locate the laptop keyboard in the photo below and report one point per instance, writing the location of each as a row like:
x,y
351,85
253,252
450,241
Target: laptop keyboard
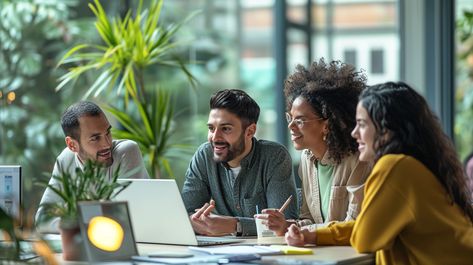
x,y
210,242
207,241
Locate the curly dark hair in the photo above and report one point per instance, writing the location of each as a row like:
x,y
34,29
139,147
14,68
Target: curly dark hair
x,y
332,90
414,130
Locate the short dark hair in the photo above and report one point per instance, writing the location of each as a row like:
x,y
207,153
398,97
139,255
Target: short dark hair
x,y
237,102
70,118
332,91
414,130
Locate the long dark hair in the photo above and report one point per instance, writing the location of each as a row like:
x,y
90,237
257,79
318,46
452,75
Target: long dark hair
x,y
413,129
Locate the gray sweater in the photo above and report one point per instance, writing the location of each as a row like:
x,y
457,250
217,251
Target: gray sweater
x,y
125,153
265,180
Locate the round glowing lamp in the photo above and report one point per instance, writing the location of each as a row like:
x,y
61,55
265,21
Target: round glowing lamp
x,y
105,233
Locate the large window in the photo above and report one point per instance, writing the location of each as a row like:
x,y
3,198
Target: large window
x,y
364,33
233,45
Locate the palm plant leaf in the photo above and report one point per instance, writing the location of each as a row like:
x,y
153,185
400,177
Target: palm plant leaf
x,y
151,129
88,184
130,44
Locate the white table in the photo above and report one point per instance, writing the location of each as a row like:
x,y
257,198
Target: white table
x,y
322,254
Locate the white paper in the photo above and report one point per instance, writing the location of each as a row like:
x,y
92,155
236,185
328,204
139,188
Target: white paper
x,y
231,250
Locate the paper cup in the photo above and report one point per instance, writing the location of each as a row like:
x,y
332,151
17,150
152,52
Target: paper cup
x,y
262,229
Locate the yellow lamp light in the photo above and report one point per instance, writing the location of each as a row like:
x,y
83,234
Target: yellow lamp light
x,y
105,233
11,96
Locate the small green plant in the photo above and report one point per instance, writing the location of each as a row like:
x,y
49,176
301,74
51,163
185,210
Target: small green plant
x,y
7,225
13,240
89,184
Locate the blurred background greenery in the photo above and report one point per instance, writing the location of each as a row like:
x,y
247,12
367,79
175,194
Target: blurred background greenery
x,y
36,34
464,88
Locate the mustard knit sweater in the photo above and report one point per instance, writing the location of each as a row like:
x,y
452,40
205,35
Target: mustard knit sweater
x,y
406,218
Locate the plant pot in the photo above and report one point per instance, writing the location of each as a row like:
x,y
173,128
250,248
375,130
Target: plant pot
x,y
72,247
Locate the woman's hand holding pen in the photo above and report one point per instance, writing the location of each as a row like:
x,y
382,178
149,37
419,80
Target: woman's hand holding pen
x,y
275,220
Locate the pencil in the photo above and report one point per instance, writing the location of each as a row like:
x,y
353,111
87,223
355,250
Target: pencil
x,y
286,203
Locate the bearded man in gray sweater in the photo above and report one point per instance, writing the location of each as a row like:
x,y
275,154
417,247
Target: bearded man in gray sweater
x,y
88,137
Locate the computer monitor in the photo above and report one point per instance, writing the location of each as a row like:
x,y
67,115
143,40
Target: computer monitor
x,y
11,190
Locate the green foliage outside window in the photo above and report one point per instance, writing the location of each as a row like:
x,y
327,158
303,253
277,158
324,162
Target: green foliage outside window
x,y
32,35
464,90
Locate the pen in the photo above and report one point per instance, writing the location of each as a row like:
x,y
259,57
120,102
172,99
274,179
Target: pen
x,y
286,203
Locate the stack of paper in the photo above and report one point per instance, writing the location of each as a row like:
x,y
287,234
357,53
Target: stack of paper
x,y
231,250
261,250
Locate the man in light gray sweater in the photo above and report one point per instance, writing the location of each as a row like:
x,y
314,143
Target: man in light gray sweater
x,y
233,174
88,137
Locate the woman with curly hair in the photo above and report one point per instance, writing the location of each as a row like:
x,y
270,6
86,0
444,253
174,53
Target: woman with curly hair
x,y
321,103
417,207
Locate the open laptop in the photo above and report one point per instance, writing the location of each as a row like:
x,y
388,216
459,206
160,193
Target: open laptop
x,y
159,216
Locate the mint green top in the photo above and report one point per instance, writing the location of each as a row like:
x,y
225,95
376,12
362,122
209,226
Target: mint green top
x,y
325,173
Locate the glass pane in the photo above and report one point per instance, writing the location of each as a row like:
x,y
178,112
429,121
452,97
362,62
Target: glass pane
x,y
463,128
363,14
257,66
377,61
363,33
349,56
297,50
296,11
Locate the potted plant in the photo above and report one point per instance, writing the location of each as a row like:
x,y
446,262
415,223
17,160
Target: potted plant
x,y
88,184
11,240
130,47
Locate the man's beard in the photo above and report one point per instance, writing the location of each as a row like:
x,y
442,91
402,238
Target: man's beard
x,y
86,156
232,150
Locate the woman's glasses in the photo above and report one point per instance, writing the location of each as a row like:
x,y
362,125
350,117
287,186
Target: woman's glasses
x,y
298,121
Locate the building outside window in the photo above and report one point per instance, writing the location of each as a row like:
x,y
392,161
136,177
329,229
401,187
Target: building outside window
x,y
377,61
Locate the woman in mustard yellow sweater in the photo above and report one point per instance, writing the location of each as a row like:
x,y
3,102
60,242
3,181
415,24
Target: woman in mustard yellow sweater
x,y
417,208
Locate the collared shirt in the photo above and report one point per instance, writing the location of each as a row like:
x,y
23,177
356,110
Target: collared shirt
x,y
265,180
126,155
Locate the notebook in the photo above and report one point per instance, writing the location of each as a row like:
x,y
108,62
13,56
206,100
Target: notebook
x,y
159,216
